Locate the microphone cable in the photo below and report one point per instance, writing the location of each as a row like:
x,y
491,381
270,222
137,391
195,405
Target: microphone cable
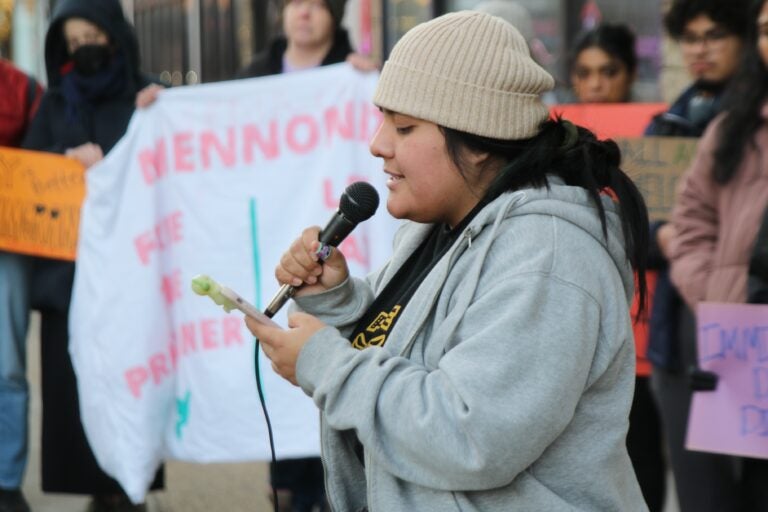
x,y
260,390
358,203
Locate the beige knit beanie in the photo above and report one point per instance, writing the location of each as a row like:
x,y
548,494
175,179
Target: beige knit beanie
x,y
469,71
511,12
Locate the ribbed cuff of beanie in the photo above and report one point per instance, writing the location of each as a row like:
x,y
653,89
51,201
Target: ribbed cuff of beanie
x,y
461,106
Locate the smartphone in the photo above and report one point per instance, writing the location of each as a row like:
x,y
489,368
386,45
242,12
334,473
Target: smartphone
x,y
247,308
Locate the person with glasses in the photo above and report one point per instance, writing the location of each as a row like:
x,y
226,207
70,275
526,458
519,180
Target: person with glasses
x,y
710,34
719,208
711,37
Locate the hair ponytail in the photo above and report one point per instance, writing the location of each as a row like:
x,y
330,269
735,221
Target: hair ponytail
x,y
576,155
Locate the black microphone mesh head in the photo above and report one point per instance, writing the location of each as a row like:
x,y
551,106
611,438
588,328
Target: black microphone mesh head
x,y
359,202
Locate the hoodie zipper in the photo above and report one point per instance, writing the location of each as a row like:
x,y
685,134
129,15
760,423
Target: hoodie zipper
x,y
466,242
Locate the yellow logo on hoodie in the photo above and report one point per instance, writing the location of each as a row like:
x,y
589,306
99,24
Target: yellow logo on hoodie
x,y
376,333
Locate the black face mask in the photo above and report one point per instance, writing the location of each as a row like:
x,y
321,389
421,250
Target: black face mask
x,y
89,59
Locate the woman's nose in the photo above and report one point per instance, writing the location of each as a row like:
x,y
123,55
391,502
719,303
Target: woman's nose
x,y
379,145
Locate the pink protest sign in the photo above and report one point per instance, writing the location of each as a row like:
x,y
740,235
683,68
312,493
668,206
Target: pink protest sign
x,y
732,343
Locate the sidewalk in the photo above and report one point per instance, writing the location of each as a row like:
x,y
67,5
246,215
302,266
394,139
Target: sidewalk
x,y
238,487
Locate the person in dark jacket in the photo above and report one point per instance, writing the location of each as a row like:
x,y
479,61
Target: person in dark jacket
x,y
19,97
711,35
603,66
711,38
92,61
312,36
719,208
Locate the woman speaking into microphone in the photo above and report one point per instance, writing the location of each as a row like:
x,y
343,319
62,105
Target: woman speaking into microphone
x,y
489,365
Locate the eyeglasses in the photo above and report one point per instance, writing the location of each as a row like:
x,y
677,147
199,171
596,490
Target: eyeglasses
x,y
711,38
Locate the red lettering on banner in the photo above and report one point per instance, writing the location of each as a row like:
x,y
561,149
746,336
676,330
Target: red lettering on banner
x,y
333,126
182,152
331,197
370,120
208,330
269,148
210,141
310,132
171,287
355,248
165,233
231,146
188,344
154,162
215,333
136,378
232,331
158,368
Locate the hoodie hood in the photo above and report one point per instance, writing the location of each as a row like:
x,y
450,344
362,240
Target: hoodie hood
x,y
573,204
109,16
567,203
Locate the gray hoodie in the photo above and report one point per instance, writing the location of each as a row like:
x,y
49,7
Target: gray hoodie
x,y
506,383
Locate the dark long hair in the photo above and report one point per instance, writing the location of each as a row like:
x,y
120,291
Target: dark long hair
x,y
742,103
731,14
616,40
575,155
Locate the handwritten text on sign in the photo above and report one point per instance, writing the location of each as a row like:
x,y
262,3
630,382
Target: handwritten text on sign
x,y
656,164
40,198
732,343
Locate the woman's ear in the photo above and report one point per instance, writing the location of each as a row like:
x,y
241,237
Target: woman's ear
x,y
477,159
486,166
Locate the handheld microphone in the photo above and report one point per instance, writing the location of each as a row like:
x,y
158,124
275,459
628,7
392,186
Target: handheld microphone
x,y
358,203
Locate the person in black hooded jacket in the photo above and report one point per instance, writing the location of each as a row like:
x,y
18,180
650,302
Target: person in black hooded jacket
x,y
92,61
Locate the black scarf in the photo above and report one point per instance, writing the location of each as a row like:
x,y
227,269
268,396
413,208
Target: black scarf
x,y
81,92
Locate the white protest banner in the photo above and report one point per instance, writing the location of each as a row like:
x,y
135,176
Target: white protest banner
x,y
216,179
732,341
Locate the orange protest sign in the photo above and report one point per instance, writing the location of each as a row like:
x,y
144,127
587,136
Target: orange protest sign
x,y
610,120
40,199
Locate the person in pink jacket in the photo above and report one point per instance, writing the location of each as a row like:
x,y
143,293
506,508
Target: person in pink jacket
x,y
723,195
720,206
